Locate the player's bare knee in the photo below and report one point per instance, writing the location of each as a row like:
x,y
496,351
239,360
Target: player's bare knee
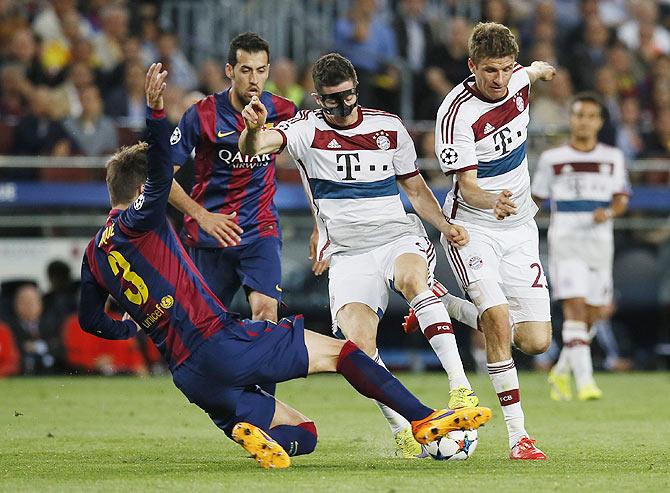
x,y
536,345
410,284
533,339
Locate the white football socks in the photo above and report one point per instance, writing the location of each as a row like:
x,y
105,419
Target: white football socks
x,y
577,347
462,310
395,420
436,326
506,384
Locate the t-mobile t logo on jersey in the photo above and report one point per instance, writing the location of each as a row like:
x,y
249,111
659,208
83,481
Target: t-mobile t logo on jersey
x,y
349,165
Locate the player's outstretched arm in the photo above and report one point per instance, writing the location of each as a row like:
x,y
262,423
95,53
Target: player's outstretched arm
x,y
150,208
540,70
501,204
254,139
428,208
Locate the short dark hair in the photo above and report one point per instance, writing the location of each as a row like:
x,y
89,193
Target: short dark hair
x,y
491,40
126,171
332,69
588,97
57,269
249,42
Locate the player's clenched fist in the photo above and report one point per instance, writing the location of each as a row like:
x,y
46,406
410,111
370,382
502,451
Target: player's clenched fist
x,y
544,70
458,235
254,114
154,85
504,205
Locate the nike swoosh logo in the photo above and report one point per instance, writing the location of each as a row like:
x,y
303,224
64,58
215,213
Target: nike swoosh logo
x,y
221,135
278,288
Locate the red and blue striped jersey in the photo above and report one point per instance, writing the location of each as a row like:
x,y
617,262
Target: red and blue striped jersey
x,y
227,181
138,259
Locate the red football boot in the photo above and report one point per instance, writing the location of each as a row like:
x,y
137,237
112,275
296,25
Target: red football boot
x,y
411,323
525,449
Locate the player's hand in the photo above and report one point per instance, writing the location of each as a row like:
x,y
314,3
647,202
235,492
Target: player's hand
x,y
544,70
458,235
154,85
222,227
126,316
254,114
318,266
504,205
600,215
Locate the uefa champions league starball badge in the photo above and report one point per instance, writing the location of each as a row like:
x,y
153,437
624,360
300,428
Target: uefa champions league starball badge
x,y
448,156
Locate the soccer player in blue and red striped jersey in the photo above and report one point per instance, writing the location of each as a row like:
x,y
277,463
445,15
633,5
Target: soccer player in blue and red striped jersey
x,y
231,224
216,359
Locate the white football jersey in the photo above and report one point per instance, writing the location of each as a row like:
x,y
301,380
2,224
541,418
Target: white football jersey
x,y
350,175
577,183
471,133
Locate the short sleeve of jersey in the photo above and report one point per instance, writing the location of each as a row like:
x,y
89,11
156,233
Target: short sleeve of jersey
x,y
185,136
540,186
404,159
296,133
457,154
620,174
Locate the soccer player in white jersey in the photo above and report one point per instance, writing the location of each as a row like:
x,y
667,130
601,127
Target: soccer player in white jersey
x,y
480,136
351,160
587,186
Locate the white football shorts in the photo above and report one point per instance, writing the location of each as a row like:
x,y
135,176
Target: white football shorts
x,y
574,278
502,266
367,277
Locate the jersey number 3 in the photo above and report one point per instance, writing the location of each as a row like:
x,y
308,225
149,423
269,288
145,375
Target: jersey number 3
x,y
119,263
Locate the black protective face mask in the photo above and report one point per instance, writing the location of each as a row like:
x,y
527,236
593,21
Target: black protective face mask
x,y
337,98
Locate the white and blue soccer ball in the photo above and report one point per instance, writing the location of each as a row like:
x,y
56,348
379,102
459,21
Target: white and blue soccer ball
x,y
457,445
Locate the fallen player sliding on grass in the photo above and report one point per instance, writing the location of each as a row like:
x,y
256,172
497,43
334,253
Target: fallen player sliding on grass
x,y
216,359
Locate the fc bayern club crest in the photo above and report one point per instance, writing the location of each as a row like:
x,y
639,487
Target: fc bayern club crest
x,y
475,262
382,140
520,105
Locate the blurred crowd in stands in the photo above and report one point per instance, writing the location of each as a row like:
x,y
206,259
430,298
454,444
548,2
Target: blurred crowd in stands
x,y
72,73
40,333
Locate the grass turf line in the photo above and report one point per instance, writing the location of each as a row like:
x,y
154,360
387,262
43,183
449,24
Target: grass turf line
x,y
132,434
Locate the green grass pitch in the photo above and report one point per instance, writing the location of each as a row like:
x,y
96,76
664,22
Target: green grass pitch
x,y
132,434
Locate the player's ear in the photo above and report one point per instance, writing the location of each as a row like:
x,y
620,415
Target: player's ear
x,y
471,65
229,71
316,98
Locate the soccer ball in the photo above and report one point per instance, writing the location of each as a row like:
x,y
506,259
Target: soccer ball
x,y
457,445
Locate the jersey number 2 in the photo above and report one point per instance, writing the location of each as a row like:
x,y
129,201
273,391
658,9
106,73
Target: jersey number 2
x,y
536,282
119,263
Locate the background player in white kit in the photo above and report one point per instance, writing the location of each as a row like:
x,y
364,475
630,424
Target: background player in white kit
x,y
587,185
351,160
480,135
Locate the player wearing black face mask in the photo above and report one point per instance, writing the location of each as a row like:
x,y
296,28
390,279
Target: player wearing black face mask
x,y
338,104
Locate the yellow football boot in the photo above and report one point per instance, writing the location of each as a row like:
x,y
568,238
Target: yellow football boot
x,y
560,388
268,453
438,423
462,397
